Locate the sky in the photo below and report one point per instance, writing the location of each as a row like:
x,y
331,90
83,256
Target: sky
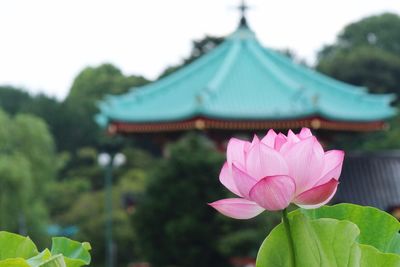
x,y
46,43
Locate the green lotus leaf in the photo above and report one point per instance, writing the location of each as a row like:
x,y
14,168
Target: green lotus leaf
x,y
54,261
377,228
321,242
75,254
18,262
40,258
16,246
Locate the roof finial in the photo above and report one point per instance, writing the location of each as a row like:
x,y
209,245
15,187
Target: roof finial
x,y
243,8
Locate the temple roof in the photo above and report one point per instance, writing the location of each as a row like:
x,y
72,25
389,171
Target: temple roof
x,y
241,80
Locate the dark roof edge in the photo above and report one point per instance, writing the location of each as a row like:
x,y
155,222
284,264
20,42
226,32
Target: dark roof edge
x,y
378,154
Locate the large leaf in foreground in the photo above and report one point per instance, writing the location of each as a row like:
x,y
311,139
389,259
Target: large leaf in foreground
x,y
40,258
321,242
19,262
16,246
45,259
76,254
54,261
377,228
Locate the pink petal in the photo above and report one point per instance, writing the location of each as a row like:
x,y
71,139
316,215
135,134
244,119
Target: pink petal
x,y
291,140
333,162
279,141
237,208
225,177
292,137
273,192
304,133
319,195
235,151
243,181
269,139
320,204
261,161
305,160
246,147
254,142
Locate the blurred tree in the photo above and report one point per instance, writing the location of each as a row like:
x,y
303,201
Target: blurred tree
x,y
366,53
27,167
379,31
32,139
203,46
85,209
367,66
57,115
12,99
78,200
175,227
199,48
91,85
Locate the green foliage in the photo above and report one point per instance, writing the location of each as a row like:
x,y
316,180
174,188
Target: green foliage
x,y
75,254
79,198
377,228
90,205
16,246
58,116
13,100
31,138
199,48
366,66
174,215
342,235
379,31
243,239
366,53
27,166
93,83
386,140
16,250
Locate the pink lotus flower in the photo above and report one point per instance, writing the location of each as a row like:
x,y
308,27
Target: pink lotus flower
x,y
271,173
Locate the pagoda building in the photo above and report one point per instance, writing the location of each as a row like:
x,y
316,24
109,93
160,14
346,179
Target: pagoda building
x,y
243,86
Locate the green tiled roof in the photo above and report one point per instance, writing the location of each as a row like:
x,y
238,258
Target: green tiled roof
x,y
242,80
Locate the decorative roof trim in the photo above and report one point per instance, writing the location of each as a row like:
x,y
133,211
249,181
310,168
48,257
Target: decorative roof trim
x,y
118,127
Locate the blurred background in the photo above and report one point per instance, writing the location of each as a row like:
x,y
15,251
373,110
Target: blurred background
x,y
106,134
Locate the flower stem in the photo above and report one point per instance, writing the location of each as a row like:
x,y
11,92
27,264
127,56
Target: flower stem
x,y
289,237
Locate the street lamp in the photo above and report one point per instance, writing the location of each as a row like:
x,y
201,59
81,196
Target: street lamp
x,y
108,161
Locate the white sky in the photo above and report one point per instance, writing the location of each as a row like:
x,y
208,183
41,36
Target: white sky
x,y
44,44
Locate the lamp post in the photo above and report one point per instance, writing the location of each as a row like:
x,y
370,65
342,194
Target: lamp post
x,y
108,161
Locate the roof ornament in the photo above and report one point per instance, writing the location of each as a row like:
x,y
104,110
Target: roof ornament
x,y
243,7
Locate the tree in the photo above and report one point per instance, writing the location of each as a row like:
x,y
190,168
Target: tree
x,y
77,199
27,166
174,225
366,53
379,31
88,88
12,100
367,66
93,83
199,48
